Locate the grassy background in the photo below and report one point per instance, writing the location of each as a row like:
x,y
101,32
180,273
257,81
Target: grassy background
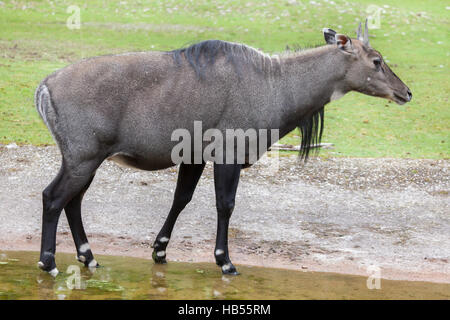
x,y
414,39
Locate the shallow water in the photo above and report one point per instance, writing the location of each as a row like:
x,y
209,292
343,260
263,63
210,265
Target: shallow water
x,y
132,278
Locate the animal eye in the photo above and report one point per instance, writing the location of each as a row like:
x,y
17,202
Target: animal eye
x,y
377,63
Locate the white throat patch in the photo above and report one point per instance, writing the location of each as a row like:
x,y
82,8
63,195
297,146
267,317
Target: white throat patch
x,y
336,95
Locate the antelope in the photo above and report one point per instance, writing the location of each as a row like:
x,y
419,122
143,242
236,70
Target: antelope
x,y
125,108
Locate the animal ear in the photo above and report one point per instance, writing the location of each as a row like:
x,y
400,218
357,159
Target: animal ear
x,y
329,35
344,43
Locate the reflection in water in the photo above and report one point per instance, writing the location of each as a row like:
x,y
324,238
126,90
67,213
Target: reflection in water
x,y
131,278
158,282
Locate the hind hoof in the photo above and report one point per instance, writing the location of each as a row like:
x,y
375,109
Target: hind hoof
x,y
229,269
231,273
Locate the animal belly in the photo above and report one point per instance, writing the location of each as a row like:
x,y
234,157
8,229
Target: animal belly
x,y
141,163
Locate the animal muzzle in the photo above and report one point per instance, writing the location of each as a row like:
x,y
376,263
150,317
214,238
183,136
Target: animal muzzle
x,y
402,98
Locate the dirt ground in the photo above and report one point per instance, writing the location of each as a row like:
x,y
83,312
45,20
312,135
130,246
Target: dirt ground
x,y
335,215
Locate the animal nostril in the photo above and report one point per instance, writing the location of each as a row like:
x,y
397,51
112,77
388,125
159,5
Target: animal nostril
x,y
409,95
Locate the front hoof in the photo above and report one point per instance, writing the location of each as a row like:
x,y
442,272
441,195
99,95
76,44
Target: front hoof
x,y
51,271
159,257
89,262
229,269
93,264
47,263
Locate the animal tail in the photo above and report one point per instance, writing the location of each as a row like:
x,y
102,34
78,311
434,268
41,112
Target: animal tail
x,y
44,106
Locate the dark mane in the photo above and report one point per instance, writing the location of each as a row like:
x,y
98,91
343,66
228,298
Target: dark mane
x,y
311,128
204,54
296,47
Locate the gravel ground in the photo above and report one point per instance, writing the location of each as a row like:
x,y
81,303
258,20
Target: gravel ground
x,y
339,215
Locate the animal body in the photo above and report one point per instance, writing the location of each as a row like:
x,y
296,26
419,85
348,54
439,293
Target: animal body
x,y
126,107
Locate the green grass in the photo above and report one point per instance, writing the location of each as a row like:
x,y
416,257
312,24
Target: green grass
x,y
414,38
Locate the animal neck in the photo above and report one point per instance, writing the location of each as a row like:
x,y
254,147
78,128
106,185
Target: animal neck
x,y
309,80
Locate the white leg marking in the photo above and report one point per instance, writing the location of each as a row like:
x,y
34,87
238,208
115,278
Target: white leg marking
x,y
161,253
164,239
92,264
219,252
82,258
54,272
40,264
84,247
226,267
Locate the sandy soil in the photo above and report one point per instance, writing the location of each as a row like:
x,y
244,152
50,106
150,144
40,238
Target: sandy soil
x,y
334,215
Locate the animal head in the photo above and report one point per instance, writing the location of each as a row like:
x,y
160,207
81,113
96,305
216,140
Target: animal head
x,y
367,72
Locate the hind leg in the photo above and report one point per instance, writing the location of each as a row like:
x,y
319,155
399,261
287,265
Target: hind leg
x,y
69,182
188,177
73,213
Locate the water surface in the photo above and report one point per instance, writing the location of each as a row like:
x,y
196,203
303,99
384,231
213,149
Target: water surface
x,y
133,278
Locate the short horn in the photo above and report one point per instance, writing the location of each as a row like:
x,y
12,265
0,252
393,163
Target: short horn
x,y
366,35
358,33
